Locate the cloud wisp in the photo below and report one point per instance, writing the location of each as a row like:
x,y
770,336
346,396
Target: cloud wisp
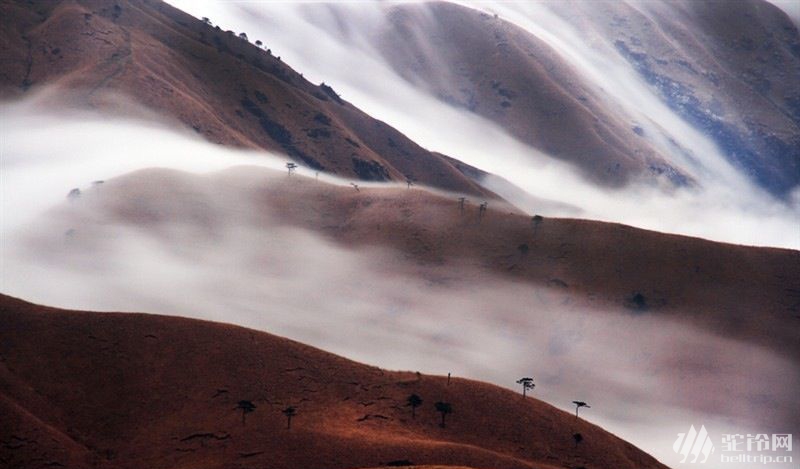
x,y
725,207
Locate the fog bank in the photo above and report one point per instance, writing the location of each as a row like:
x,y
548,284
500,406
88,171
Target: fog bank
x,y
194,244
726,206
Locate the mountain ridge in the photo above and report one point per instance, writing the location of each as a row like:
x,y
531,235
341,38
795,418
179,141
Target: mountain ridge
x,y
226,89
348,414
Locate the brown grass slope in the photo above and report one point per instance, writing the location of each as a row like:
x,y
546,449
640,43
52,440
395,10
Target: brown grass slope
x,y
743,292
505,74
132,390
729,72
223,87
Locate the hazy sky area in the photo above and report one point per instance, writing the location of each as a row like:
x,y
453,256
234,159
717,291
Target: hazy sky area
x,y
728,206
791,8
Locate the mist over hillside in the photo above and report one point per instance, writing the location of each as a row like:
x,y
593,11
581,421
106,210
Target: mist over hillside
x,y
311,258
605,195
588,62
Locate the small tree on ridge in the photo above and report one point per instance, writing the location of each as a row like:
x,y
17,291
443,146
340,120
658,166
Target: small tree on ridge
x,y
246,407
443,408
527,383
413,401
289,412
578,405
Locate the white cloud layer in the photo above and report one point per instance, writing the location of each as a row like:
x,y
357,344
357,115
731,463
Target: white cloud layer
x,y
727,207
220,255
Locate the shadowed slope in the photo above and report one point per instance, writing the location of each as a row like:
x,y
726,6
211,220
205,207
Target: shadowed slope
x,y
505,74
132,390
728,72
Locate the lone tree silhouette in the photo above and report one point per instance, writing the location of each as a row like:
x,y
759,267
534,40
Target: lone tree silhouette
x,y
246,407
243,36
527,383
443,408
461,202
482,209
291,167
289,412
414,401
259,43
536,220
578,438
206,20
578,405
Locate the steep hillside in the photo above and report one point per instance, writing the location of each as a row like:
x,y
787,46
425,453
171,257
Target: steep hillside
x,y
91,390
501,72
225,88
728,72
736,291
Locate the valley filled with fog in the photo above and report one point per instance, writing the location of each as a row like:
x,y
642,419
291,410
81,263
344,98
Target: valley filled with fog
x,y
165,222
219,254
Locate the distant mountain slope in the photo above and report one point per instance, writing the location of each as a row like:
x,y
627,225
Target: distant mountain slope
x,y
743,292
503,73
731,71
104,390
227,89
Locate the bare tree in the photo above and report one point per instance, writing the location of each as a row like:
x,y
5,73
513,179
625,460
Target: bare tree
x,y
355,186
246,407
527,383
443,408
536,220
409,183
291,167
289,412
414,401
578,405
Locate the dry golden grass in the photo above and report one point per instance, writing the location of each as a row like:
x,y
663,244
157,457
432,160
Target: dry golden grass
x,y
90,390
224,88
741,292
